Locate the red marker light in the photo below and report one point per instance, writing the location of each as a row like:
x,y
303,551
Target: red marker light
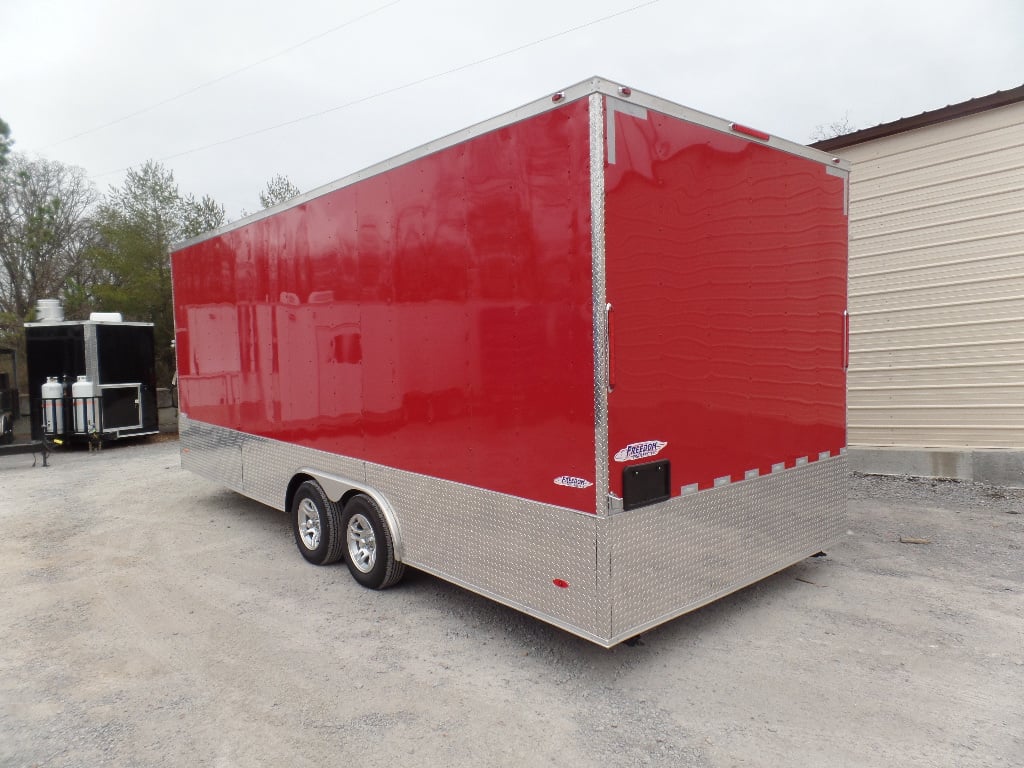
x,y
626,91
746,130
558,97
560,583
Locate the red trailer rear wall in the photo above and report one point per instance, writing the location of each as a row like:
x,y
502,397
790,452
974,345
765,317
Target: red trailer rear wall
x,y
436,317
726,271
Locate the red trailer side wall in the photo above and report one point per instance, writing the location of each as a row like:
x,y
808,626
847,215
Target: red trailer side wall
x,y
726,270
436,317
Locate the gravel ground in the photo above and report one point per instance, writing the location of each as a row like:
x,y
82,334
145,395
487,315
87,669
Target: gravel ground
x,y
151,618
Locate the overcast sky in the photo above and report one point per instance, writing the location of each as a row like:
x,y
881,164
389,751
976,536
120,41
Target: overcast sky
x,y
70,68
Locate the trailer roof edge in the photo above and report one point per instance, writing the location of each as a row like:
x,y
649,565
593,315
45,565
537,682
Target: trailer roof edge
x,y
549,102
60,323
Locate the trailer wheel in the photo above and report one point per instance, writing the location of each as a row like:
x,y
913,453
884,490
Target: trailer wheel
x,y
316,524
369,547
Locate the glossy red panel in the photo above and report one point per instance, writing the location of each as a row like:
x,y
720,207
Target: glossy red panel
x,y
435,317
726,269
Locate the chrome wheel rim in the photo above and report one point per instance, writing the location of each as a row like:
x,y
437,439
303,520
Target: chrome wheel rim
x,y
309,524
362,543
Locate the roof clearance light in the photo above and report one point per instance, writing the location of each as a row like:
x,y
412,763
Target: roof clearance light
x,y
560,583
746,130
558,97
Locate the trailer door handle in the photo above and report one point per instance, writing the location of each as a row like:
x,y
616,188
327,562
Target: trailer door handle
x,y
846,340
609,348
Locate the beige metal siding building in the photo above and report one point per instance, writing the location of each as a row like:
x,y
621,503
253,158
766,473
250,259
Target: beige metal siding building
x,y
936,382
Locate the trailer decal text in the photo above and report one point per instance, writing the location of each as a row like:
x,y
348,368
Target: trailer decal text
x,y
640,450
572,482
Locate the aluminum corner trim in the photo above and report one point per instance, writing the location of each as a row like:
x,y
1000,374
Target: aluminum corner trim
x,y
600,307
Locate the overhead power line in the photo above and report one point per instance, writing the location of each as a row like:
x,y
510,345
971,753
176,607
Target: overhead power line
x,y
225,76
404,86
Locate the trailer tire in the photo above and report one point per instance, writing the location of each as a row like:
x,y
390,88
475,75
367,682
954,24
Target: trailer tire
x,y
316,525
369,547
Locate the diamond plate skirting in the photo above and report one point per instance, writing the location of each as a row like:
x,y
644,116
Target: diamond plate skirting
x,y
258,467
625,573
504,547
670,558
216,454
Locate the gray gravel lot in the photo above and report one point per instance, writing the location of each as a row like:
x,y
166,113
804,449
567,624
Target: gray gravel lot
x,y
151,618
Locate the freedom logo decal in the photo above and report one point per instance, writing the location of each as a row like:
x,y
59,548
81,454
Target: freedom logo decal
x,y
642,450
572,482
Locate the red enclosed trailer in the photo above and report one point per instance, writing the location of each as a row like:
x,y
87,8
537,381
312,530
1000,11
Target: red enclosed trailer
x,y
587,359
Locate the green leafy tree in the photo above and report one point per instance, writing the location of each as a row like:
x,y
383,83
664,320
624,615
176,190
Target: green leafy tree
x,y
136,225
45,232
200,215
278,189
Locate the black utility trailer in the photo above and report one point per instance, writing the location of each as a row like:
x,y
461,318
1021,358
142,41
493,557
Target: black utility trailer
x,y
116,358
10,405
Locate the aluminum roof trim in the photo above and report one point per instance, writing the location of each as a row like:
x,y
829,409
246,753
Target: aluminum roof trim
x,y
547,103
134,323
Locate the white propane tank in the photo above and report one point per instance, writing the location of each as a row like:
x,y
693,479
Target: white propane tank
x,y
83,403
49,311
53,407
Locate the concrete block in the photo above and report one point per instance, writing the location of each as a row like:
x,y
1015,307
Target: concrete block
x,y
167,418
1002,467
915,462
999,467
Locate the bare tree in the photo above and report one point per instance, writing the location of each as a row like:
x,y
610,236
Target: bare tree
x,y
278,189
833,129
45,229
